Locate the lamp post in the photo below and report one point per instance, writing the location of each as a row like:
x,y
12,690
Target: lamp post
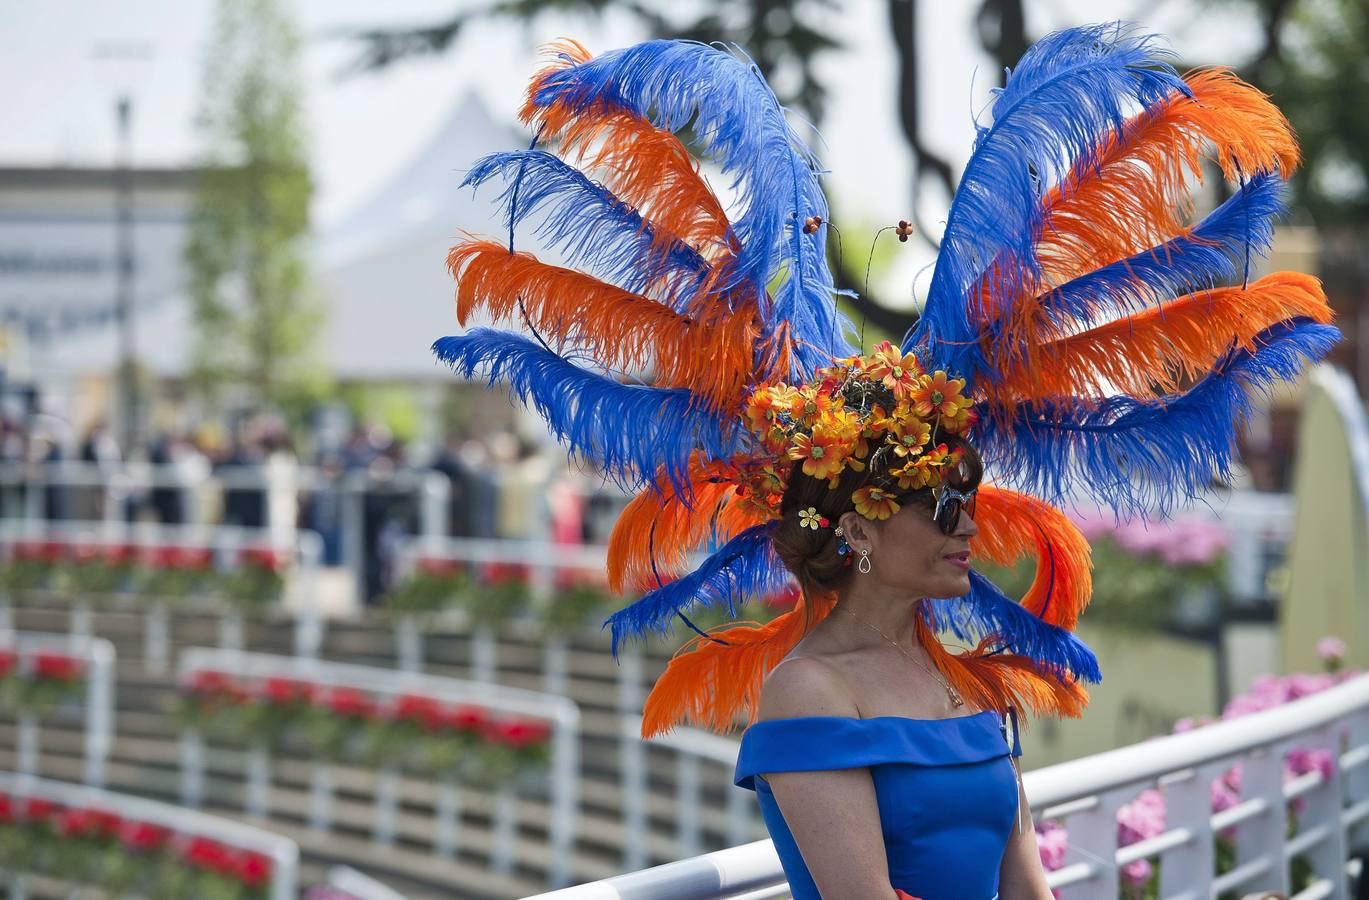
x,y
125,271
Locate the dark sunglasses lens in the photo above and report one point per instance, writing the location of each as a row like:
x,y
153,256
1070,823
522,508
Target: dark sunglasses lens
x,y
948,514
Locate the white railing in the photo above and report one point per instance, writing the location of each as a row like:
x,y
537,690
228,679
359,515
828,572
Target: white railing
x,y
541,559
359,885
97,661
432,488
692,750
283,852
304,549
563,778
1087,793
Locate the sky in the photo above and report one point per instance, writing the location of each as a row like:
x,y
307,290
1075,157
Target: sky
x,y
64,62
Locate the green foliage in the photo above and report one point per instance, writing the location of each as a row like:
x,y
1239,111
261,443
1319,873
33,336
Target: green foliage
x,y
1130,590
256,312
784,38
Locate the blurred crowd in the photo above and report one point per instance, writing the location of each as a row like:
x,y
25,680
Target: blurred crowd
x,y
254,475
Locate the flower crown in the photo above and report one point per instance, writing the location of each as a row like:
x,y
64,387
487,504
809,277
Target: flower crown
x,y
882,409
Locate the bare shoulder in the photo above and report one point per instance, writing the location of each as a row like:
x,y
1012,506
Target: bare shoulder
x,y
805,686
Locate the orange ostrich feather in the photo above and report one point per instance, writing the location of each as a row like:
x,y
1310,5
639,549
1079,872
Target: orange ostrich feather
x,y
1014,525
1002,681
710,685
1132,191
1151,353
647,167
712,358
660,526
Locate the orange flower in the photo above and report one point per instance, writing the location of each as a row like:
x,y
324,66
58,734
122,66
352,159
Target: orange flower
x,y
875,502
760,410
938,395
824,454
899,372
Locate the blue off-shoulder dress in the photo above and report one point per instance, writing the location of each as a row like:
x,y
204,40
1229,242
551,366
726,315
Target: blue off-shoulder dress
x,y
947,793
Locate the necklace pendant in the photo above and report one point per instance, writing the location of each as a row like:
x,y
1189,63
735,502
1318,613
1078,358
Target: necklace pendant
x,y
956,700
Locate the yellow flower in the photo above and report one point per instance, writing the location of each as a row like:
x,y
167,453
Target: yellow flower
x,y
811,518
760,410
909,435
875,502
938,395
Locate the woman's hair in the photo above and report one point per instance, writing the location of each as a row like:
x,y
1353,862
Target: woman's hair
x,y
811,554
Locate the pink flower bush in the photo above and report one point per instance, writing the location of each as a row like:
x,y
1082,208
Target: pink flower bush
x,y
1144,817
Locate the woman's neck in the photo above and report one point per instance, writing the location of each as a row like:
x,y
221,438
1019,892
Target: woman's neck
x,y
889,611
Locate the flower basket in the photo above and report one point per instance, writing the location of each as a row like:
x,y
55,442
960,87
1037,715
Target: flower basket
x,y
433,585
258,580
217,706
52,679
31,565
123,856
514,748
501,591
92,569
579,598
335,723
178,572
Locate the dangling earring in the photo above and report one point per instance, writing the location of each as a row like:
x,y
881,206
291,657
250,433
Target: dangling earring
x,y
864,565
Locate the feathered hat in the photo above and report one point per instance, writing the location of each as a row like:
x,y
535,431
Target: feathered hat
x,y
1108,347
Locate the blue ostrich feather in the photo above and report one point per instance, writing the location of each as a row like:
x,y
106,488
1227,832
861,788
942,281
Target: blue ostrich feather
x,y
746,566
1141,456
1069,90
632,431
589,225
1215,252
739,124
986,610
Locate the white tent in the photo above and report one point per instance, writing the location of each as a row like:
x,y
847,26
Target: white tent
x,y
381,268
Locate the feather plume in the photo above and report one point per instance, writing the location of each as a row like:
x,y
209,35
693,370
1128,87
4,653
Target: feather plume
x,y
630,430
986,612
710,685
620,329
1152,353
1129,193
990,679
739,124
745,566
1139,456
592,228
1216,250
1068,90
1013,525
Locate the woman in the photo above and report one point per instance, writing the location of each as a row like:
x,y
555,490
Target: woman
x,y
1077,332
870,771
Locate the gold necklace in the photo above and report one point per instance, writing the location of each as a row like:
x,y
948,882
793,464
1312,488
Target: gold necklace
x,y
951,694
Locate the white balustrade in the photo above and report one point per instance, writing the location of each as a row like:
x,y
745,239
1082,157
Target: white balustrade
x,y
96,656
1086,794
283,852
563,779
305,549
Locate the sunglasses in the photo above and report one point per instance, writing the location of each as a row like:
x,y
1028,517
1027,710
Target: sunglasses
x,y
949,503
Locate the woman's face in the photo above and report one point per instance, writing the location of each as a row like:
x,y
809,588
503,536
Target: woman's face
x,y
909,554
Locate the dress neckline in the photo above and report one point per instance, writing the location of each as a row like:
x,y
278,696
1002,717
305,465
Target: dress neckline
x,y
985,712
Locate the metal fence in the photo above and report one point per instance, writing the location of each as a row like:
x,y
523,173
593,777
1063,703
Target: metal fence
x,y
563,782
304,549
283,852
1329,814
97,708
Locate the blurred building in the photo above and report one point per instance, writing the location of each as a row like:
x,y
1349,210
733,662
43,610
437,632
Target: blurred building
x,y
380,266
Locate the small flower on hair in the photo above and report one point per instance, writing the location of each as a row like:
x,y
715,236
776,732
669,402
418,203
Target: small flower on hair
x,y
809,518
